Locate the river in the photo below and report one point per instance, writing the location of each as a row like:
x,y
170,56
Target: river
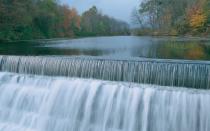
x,y
117,46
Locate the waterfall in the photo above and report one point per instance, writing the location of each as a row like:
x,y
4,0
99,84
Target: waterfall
x,y
41,103
194,74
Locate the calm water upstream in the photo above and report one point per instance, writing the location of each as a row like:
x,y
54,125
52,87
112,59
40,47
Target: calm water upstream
x,y
120,46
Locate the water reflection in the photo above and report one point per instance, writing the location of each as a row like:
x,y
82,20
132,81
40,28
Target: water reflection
x,y
188,50
175,50
123,46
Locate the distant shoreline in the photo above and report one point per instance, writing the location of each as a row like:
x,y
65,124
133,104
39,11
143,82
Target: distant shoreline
x,y
66,38
60,38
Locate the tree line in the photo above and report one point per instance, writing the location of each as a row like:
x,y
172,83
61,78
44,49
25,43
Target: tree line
x,y
173,17
38,19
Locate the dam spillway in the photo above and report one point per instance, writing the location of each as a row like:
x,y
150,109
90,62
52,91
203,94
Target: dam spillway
x,y
192,74
57,93
41,103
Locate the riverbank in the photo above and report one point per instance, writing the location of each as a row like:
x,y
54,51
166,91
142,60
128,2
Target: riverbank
x,y
186,37
146,32
62,38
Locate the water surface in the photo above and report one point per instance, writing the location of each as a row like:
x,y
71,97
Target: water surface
x,y
120,46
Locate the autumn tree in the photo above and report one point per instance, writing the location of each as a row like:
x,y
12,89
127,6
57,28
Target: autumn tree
x,y
175,16
196,16
71,21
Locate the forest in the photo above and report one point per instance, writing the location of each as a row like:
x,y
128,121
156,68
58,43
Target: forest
x,y
42,19
173,17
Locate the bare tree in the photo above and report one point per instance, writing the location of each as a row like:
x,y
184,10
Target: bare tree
x,y
136,18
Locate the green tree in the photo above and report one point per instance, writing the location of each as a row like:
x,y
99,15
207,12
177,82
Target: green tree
x,y
94,23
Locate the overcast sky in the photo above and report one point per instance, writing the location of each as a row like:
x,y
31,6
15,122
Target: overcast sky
x,y
120,9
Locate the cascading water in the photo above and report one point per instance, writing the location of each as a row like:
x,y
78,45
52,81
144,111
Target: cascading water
x,y
162,72
40,103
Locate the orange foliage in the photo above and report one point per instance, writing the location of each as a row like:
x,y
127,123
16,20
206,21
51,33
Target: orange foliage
x,y
70,16
196,17
71,19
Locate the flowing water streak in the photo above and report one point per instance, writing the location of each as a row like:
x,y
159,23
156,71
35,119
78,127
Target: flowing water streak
x,y
40,103
195,74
